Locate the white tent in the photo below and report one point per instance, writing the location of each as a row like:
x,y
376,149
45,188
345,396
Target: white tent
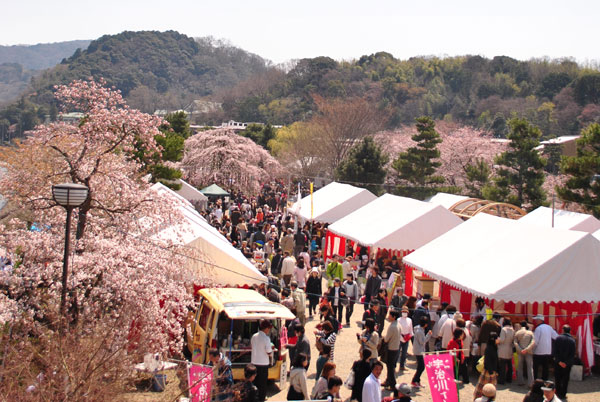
x,y
503,260
542,216
225,264
394,222
192,194
446,200
332,202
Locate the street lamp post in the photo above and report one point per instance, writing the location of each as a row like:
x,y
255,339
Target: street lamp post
x,y
69,196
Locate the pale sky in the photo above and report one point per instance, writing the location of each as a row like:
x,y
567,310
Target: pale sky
x,y
281,30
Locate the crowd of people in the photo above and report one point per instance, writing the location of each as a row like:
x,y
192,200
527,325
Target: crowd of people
x,y
290,255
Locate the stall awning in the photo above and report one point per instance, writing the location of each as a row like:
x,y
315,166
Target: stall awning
x,y
332,202
542,216
394,222
223,264
505,260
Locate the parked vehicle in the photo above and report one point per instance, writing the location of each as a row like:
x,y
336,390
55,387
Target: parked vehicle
x,y
226,319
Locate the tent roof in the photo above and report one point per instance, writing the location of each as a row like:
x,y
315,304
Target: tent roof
x,y
190,192
332,202
396,223
213,190
446,200
542,216
503,260
229,265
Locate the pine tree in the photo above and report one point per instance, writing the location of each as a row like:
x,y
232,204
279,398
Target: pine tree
x,y
520,177
583,186
417,166
478,176
365,163
171,139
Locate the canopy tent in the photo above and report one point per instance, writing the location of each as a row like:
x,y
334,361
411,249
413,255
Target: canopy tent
x,y
446,200
332,202
397,223
192,194
543,270
501,259
542,216
225,264
214,191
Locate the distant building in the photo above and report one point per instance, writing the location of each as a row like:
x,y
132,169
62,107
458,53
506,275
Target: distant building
x,y
567,145
236,125
72,117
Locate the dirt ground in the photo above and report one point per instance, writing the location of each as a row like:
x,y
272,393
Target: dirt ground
x,y
346,352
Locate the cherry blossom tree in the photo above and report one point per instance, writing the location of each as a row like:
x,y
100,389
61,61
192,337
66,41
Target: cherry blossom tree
x,y
221,156
460,146
125,282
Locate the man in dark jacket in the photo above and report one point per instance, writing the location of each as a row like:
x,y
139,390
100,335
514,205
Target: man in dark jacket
x,y
302,345
564,357
421,311
373,285
276,263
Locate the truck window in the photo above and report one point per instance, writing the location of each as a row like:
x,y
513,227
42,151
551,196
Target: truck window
x,y
204,315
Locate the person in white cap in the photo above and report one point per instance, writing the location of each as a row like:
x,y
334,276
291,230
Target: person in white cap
x,y
544,334
549,392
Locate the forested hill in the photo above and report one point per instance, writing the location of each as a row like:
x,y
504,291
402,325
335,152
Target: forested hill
x,y
557,95
154,70
40,56
149,66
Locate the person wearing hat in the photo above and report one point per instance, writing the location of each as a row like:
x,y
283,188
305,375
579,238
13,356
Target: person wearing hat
x,y
403,393
489,393
549,392
544,334
313,290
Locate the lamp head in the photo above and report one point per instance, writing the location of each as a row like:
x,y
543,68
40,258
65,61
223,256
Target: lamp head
x,y
70,195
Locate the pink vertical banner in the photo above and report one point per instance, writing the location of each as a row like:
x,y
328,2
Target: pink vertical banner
x,y
440,373
200,381
283,338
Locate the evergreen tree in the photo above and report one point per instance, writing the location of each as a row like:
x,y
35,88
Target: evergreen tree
x,y
478,177
520,177
583,186
172,137
365,163
260,134
417,166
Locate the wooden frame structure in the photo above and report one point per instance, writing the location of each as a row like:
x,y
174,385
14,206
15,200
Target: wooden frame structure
x,y
470,207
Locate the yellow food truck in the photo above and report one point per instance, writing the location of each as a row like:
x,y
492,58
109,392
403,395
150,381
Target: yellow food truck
x,y
226,319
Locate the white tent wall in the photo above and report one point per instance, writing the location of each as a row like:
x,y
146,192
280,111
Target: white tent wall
x,y
217,260
555,272
332,202
446,200
504,260
397,223
542,216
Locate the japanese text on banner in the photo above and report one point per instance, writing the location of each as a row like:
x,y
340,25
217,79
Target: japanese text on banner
x,y
200,378
440,373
